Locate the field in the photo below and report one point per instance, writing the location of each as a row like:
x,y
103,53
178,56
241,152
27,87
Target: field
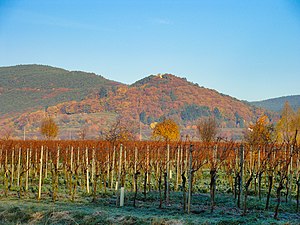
x,y
79,182
104,211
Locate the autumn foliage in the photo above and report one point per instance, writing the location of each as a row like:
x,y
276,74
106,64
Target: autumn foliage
x,y
288,124
49,129
166,130
208,129
262,132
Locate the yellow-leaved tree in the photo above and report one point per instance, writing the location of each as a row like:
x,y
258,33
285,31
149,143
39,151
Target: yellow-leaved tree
x,y
297,125
167,130
262,132
49,128
286,126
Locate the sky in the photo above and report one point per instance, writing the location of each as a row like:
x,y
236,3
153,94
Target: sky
x,y
247,49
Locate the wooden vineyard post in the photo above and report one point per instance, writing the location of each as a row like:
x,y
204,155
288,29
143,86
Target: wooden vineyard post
x,y
41,174
55,175
213,174
113,168
35,162
181,157
19,168
95,181
183,178
71,174
46,163
12,166
119,175
122,197
290,173
65,166
71,159
148,175
186,160
87,170
240,184
93,166
258,174
190,179
27,170
57,164
168,176
78,158
6,173
271,167
108,171
249,171
30,161
177,168
135,170
123,178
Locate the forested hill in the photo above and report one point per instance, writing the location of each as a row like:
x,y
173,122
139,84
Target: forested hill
x,y
28,87
276,104
80,99
166,95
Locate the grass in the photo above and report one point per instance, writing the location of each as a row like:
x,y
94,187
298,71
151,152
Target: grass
x,y
104,211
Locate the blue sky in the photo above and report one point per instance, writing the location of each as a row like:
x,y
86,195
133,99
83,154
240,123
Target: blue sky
x,y
247,49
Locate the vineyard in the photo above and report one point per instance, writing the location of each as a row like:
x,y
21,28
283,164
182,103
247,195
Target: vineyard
x,y
133,172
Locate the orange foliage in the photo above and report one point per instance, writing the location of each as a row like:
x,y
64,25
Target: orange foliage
x,y
167,130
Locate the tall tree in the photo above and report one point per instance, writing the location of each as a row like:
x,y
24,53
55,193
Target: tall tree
x,y
261,132
49,128
208,129
167,130
119,131
285,127
296,123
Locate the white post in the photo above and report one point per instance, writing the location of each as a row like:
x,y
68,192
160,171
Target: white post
x,y
87,171
122,197
19,168
27,169
41,174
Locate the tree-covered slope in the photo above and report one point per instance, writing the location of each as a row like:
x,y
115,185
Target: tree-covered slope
x,y
166,95
276,104
76,98
28,87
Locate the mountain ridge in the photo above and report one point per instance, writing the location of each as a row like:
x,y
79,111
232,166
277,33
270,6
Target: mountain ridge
x,y
276,104
27,86
147,100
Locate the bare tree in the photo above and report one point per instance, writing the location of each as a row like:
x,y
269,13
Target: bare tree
x,y
118,131
6,133
208,129
82,133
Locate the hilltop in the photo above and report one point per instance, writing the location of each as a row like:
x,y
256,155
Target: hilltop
x,y
79,99
166,95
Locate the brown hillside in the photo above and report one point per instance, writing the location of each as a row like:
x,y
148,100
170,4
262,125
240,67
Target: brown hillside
x,y
167,96
147,100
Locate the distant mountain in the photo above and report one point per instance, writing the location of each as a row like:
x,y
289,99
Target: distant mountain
x,y
79,99
29,87
276,104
